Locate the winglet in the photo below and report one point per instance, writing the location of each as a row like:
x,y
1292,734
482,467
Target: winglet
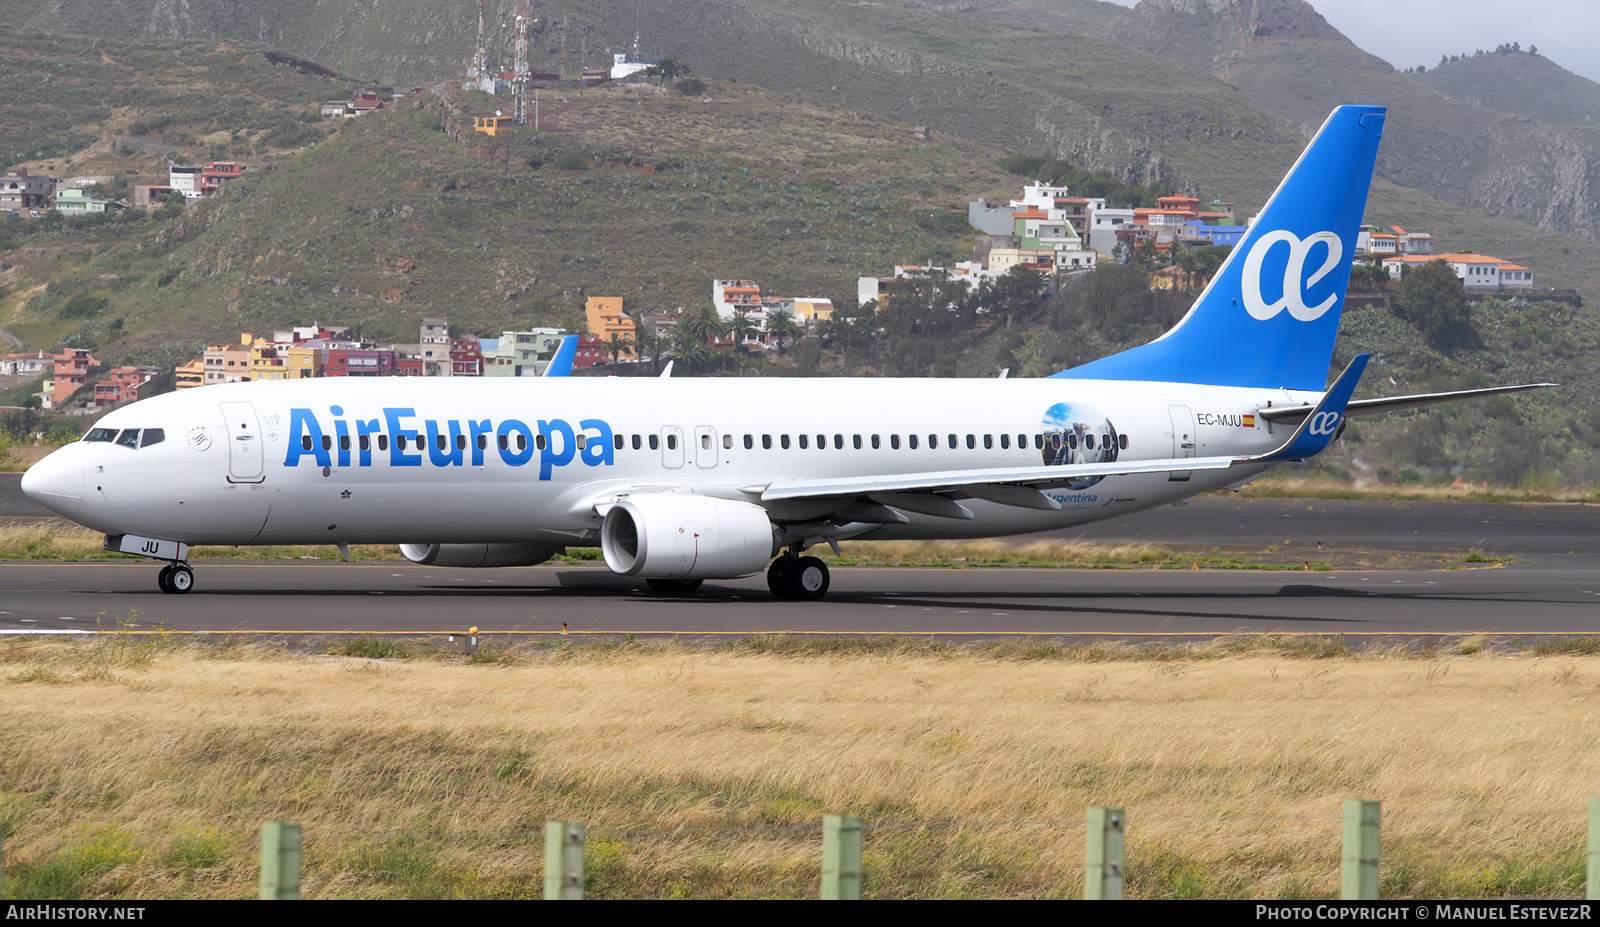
x,y
1321,426
561,364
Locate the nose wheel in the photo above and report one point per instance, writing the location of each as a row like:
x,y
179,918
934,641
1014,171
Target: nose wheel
x,y
175,579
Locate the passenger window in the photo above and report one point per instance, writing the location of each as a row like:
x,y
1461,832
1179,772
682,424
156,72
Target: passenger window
x,y
972,443
953,442
305,442
912,441
439,441
933,442
522,441
766,442
616,442
1038,442
383,442
400,441
583,441
822,442
805,442
655,442
749,442
894,442
1022,442
461,443
538,442
838,442
1088,442
672,442
1005,443
100,434
327,442
1122,441
504,444
344,442
784,440
875,443
636,442
152,436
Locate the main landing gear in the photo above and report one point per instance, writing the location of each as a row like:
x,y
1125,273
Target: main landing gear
x,y
803,579
175,579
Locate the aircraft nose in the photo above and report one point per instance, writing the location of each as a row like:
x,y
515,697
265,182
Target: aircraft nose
x,y
56,482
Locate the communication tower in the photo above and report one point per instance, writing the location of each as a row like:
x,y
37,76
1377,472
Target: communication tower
x,y
480,61
519,71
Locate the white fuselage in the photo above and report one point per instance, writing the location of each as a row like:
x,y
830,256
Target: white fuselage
x,y
233,465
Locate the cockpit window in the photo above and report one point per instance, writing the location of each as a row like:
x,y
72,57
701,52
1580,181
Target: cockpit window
x,y
100,434
129,437
152,436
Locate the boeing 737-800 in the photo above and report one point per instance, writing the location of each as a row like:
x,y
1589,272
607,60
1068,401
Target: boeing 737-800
x,y
683,480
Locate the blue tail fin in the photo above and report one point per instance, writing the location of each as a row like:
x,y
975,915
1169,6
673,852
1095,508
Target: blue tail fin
x,y
1270,315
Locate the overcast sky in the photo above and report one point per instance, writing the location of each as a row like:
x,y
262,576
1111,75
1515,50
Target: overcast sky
x,y
1407,33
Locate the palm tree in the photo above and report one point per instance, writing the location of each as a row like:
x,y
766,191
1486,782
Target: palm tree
x,y
616,347
647,342
781,325
740,328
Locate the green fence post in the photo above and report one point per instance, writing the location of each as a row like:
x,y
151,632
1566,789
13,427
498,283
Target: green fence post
x,y
280,861
841,858
1358,867
563,861
1593,891
1102,870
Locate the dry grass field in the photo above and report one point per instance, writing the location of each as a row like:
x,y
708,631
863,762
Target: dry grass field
x,y
140,767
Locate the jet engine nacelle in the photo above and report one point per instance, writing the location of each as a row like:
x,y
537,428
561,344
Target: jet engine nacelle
x,y
477,555
684,536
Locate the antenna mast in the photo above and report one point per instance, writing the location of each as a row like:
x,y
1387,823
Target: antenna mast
x,y
519,71
480,61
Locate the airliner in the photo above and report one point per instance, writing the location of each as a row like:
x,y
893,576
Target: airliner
x,y
680,480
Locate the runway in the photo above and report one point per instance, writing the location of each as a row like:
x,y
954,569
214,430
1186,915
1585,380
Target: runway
x,y
1553,588
331,598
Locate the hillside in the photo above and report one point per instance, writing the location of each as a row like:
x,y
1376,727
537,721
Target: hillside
x,y
630,190
1518,83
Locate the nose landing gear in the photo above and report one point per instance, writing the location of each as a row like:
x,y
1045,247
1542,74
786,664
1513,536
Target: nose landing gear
x,y
175,578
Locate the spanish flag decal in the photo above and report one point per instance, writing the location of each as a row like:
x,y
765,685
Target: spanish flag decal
x,y
1249,421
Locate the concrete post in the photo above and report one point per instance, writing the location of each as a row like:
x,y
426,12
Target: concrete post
x,y
280,861
1358,868
1102,871
841,858
563,861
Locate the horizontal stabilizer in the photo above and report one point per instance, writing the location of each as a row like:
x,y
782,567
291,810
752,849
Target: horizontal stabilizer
x,y
1396,403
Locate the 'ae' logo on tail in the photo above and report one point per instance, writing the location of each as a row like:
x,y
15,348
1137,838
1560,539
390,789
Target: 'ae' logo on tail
x,y
1295,281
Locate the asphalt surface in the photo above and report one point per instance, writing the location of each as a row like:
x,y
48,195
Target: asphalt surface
x,y
1553,588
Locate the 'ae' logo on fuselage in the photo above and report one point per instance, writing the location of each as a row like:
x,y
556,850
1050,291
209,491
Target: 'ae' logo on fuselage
x,y
1295,281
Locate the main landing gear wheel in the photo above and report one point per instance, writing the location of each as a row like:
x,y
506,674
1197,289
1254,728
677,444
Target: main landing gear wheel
x,y
175,579
803,579
674,586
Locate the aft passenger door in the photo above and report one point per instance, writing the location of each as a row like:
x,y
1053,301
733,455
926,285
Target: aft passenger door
x,y
245,453
1183,442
